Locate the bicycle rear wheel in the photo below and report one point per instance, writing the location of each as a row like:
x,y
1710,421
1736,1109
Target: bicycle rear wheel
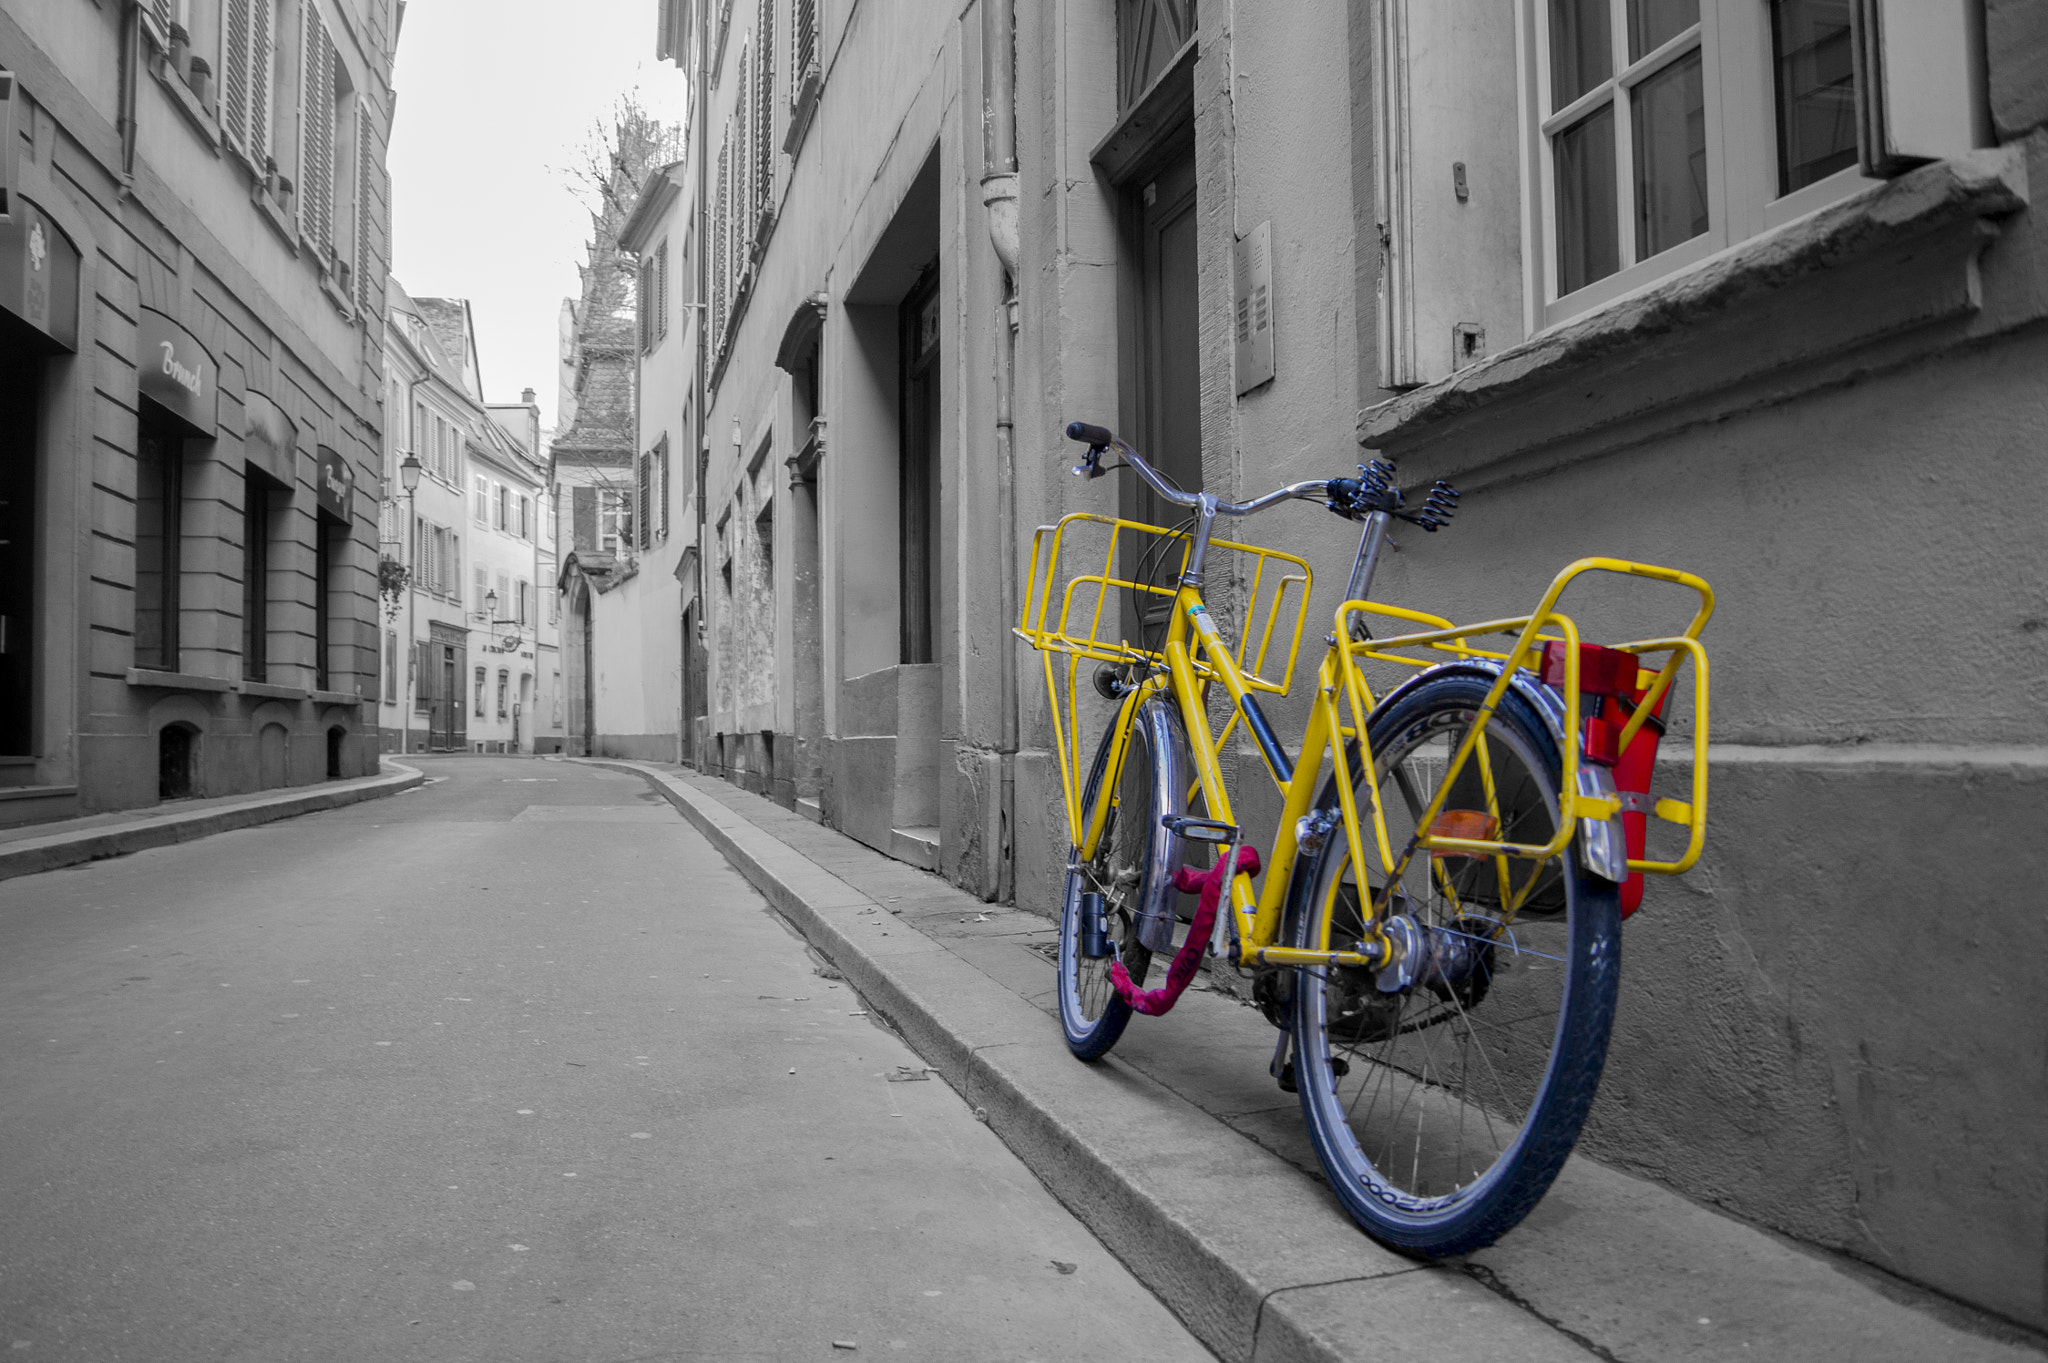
x,y
1132,870
1443,1106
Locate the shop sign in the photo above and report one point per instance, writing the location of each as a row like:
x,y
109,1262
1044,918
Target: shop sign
x,y
39,273
269,439
174,369
337,479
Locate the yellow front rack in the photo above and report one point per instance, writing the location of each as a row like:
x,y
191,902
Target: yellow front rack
x,y
1089,622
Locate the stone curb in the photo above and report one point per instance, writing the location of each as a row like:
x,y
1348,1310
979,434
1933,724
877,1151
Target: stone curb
x,y
1252,1257
70,848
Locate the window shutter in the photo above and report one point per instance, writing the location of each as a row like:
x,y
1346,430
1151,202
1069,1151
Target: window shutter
x,y
160,16
764,109
643,315
1919,86
1451,274
661,291
719,234
743,164
803,44
234,85
260,13
645,520
481,585
370,194
316,125
661,477
453,572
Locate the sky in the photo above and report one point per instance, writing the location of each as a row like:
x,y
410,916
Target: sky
x,y
495,100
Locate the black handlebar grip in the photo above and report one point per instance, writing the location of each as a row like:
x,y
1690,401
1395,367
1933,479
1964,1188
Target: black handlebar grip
x,y
1094,436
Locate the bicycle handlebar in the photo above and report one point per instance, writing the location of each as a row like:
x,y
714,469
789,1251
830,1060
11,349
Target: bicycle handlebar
x,y
1098,439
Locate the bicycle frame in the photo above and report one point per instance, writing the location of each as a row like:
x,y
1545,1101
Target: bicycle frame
x,y
1340,685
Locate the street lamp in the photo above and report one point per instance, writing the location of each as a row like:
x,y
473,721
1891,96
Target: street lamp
x,y
409,470
508,640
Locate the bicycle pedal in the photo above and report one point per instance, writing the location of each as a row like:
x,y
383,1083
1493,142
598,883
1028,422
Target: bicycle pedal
x,y
1200,830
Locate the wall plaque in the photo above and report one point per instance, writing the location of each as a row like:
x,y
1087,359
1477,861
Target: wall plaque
x,y
1253,303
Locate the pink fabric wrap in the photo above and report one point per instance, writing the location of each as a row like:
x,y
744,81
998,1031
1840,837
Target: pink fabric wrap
x,y
1154,1002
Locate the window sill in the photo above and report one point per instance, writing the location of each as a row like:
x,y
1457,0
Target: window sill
x,y
801,111
271,213
339,698
1797,307
187,103
272,691
177,681
343,304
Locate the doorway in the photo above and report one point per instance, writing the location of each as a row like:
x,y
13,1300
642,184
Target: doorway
x,y
918,466
1164,366
21,385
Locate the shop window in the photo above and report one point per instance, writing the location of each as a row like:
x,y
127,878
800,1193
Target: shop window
x,y
261,499
504,682
329,551
480,693
391,667
159,540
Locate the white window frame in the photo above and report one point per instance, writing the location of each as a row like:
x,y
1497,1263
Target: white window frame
x,y
1742,153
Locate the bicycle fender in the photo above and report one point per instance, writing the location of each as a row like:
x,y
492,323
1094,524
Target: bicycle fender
x,y
1601,842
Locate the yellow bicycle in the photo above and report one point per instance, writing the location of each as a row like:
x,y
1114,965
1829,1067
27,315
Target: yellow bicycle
x,y
1437,931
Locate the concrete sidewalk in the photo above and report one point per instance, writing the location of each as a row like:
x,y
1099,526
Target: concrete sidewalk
x,y
1182,1155
68,842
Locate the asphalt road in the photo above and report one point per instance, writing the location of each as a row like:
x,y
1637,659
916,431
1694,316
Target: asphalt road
x,y
511,1067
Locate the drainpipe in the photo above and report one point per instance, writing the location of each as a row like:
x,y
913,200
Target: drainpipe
x,y
129,64
999,198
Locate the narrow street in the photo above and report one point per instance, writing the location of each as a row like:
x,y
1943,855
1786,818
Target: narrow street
x,y
510,1067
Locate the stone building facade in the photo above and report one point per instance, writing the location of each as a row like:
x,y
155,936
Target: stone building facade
x,y
469,659
194,263
1753,290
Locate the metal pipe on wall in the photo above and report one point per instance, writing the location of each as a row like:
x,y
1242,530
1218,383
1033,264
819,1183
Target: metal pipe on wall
x,y
999,199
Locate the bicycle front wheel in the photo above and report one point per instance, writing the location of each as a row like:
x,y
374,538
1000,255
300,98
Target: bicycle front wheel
x,y
1132,870
1443,1096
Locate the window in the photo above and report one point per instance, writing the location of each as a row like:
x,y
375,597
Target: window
x,y
330,546
1652,134
654,297
260,499
501,503
1625,132
502,678
522,594
661,497
480,675
525,517
419,427
391,667
614,521
483,500
1668,129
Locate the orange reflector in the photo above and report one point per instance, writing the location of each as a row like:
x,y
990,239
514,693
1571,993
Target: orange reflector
x,y
1473,825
